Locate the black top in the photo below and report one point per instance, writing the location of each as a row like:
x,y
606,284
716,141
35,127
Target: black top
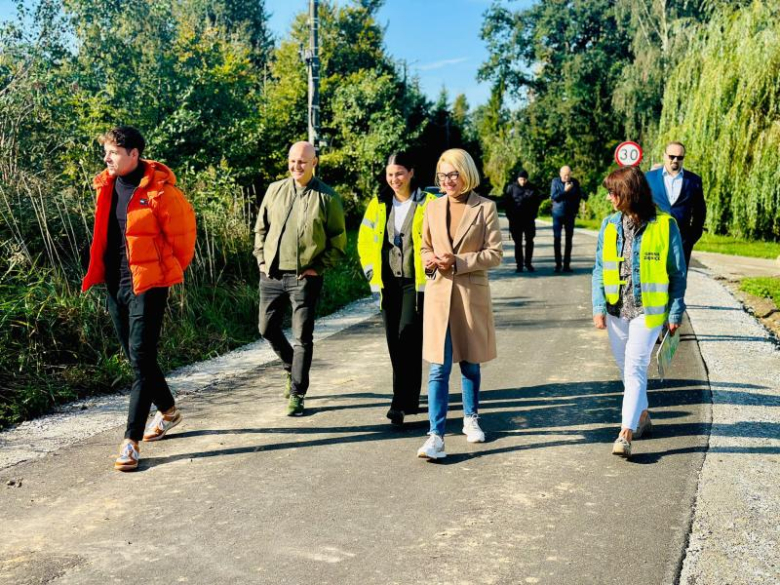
x,y
522,202
117,268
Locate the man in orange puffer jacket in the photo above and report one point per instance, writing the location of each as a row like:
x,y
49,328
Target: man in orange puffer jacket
x,y
143,240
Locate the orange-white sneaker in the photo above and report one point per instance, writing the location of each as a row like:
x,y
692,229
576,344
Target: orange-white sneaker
x,y
128,456
161,424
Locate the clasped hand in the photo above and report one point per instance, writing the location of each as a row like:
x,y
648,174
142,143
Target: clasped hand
x,y
443,262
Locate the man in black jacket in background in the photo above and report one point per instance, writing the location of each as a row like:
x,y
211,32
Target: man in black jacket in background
x,y
522,206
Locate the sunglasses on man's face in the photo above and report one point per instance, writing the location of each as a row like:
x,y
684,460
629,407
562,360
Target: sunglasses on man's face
x,y
679,157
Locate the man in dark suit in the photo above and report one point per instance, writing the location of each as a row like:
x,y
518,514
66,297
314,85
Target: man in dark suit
x,y
679,192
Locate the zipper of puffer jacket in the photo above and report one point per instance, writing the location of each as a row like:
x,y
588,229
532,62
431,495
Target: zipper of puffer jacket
x,y
127,246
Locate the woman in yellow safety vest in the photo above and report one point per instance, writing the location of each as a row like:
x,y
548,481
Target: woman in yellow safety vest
x,y
389,242
638,286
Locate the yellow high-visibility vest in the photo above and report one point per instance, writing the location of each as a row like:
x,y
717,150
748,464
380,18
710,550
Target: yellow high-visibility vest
x,y
371,236
653,276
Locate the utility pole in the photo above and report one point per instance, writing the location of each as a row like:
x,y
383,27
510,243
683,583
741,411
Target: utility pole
x,y
312,57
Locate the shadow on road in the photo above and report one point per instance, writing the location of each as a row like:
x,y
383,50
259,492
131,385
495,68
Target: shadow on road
x,y
576,413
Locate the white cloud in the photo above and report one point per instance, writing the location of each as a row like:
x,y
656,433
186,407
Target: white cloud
x,y
441,64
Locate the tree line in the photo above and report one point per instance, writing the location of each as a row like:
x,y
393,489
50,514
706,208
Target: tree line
x,y
573,78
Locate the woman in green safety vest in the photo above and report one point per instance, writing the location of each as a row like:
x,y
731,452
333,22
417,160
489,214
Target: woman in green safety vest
x,y
389,248
638,286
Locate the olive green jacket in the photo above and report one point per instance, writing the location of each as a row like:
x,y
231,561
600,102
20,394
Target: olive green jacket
x,y
322,236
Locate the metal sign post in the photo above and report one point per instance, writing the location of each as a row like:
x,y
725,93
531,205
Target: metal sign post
x,y
312,57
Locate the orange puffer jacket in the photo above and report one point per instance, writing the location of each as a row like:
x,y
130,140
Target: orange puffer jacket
x,y
160,230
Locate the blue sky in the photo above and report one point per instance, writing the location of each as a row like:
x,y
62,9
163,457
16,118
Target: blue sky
x,y
439,39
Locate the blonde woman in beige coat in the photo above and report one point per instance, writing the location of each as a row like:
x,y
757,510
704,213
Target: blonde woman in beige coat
x,y
461,241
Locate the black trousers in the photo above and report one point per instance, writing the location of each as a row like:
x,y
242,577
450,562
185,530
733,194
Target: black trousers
x,y
138,322
402,311
563,223
519,228
276,293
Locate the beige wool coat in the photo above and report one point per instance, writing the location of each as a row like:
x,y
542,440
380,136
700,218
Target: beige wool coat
x,y
460,298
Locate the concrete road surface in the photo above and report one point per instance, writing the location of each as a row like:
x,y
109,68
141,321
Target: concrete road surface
x,y
241,494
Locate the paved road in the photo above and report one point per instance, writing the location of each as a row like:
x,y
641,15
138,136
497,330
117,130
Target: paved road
x,y
242,494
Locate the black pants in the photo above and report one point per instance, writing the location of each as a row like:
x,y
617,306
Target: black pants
x,y
402,310
302,295
138,321
563,222
518,228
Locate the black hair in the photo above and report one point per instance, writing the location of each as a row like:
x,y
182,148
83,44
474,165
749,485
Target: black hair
x,y
402,159
125,136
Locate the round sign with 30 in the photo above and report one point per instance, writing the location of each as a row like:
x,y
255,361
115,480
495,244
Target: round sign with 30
x,y
628,154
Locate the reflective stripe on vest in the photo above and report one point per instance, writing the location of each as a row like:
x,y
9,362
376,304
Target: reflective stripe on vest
x,y
653,276
611,265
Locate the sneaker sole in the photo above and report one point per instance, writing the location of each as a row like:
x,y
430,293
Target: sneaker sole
x,y
473,440
125,466
153,438
431,457
621,453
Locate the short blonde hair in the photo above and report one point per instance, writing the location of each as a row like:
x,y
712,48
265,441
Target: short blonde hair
x,y
464,164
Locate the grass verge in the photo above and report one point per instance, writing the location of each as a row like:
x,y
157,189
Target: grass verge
x,y
767,287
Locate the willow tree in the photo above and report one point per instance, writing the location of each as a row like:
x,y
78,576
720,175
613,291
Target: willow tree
x,y
725,106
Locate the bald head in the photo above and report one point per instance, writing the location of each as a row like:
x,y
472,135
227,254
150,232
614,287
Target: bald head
x,y
565,173
301,162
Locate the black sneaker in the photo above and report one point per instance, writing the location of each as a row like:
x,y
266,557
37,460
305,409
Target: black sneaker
x,y
396,417
568,269
530,268
519,269
557,269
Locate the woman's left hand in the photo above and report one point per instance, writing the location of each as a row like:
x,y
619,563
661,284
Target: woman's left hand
x,y
673,327
445,261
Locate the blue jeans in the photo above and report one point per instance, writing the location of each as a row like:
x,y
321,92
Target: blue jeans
x,y
439,390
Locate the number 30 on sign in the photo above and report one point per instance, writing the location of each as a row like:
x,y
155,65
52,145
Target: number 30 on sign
x,y
628,154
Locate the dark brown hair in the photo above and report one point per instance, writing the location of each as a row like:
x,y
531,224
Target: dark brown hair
x,y
125,136
632,193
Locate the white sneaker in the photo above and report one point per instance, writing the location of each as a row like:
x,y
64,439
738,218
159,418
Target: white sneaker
x,y
432,449
474,434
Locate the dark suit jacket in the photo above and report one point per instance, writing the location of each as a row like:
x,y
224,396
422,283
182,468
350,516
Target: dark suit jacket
x,y
689,210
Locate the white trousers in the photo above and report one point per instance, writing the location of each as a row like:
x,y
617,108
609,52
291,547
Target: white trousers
x,y
632,345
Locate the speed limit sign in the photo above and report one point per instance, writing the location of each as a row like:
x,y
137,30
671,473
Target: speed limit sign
x,y
628,154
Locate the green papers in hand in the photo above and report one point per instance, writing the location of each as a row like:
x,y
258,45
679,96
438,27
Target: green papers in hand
x,y
666,352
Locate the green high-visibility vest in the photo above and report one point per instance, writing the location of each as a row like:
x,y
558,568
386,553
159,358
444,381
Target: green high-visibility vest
x,y
653,277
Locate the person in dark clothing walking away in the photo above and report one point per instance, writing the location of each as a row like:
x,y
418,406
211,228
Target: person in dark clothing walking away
x,y
522,207
566,196
389,244
144,239
299,234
